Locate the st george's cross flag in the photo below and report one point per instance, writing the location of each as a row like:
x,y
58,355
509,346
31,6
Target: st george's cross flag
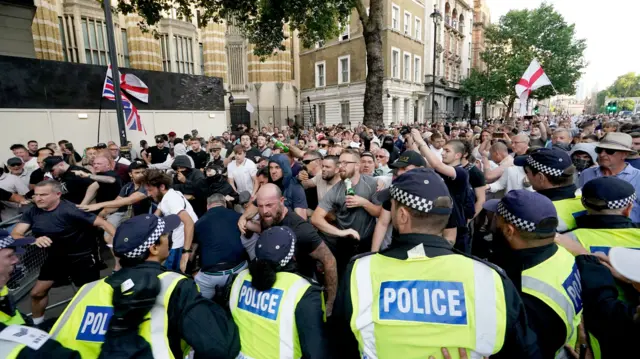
x,y
533,79
132,84
133,121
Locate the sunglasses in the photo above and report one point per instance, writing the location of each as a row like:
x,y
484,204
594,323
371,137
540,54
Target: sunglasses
x,y
608,151
381,156
306,162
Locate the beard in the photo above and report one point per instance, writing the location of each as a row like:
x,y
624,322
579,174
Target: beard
x,y
346,174
270,221
329,178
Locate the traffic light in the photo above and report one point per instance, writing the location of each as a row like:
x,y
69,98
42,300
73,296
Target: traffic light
x,y
536,110
614,107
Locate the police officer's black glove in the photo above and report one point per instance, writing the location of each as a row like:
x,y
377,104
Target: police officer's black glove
x,y
134,294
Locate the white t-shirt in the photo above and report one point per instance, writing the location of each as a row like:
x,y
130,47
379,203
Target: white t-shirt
x,y
242,175
437,152
174,202
122,161
31,165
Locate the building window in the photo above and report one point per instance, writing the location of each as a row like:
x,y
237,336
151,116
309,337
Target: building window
x,y
346,29
94,33
321,69
418,28
321,114
344,69
62,36
417,65
407,23
125,48
407,66
69,40
395,62
164,46
406,110
394,110
201,59
344,112
184,54
395,17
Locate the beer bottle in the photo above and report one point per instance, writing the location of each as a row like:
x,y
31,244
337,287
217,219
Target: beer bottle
x,y
280,145
350,191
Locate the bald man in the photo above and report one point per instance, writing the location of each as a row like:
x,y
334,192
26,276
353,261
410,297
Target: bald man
x,y
500,156
309,245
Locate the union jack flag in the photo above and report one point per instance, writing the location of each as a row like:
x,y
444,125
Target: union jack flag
x,y
133,121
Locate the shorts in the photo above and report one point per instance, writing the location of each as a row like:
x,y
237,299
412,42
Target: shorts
x,y
173,261
82,269
115,219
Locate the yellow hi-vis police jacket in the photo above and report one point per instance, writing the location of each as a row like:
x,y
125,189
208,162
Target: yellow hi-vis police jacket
x,y
266,319
556,282
410,309
567,210
9,318
85,321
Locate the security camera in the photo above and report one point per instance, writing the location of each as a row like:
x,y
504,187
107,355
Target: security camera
x,y
231,99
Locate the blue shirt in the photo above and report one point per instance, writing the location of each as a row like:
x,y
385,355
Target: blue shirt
x,y
628,174
218,236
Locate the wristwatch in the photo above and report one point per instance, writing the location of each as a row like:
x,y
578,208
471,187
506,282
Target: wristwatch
x,y
187,250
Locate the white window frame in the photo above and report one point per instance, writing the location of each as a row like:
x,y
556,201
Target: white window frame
x,y
346,33
417,28
407,23
324,74
340,80
406,67
394,18
417,70
395,75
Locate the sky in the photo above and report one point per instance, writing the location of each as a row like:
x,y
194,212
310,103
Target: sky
x,y
611,29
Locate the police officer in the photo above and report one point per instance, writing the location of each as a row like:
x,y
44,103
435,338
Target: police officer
x,y
419,295
16,339
551,172
547,273
608,201
285,308
179,317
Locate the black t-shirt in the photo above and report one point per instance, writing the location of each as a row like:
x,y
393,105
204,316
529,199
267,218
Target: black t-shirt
x,y
36,177
218,235
457,189
138,208
5,195
312,198
476,177
253,154
199,158
109,191
76,156
307,240
158,155
73,187
69,228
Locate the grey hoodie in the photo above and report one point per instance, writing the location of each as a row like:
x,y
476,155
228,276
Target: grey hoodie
x,y
588,148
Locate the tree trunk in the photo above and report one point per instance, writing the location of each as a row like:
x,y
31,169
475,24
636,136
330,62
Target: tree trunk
x,y
512,100
372,26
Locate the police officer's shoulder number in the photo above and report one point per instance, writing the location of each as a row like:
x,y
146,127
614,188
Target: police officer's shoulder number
x,y
31,337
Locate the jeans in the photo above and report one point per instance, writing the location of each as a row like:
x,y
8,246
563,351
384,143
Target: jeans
x,y
173,261
208,282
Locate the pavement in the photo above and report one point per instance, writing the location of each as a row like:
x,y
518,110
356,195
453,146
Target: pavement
x,y
64,293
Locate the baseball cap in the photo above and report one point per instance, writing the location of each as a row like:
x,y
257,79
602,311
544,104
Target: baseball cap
x,y
552,162
14,161
6,241
276,244
244,197
172,134
625,261
354,145
528,211
409,158
367,154
418,189
608,193
136,235
50,162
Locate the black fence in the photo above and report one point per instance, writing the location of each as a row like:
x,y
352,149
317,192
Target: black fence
x,y
270,116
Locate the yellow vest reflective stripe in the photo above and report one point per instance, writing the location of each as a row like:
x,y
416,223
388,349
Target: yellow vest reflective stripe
x,y
446,301
9,349
556,282
7,319
568,209
271,312
602,240
85,321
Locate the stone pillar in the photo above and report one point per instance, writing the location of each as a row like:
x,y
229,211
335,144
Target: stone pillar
x,y
214,53
144,49
46,32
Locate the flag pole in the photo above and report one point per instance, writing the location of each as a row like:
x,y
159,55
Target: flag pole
x,y
99,115
113,57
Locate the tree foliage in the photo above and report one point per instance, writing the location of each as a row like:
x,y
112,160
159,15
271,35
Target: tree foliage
x,y
267,23
626,105
627,85
522,35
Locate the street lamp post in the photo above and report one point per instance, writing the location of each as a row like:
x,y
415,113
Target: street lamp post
x,y
437,17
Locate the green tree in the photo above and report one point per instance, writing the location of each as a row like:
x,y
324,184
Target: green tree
x,y
522,35
627,85
263,23
486,86
600,99
626,105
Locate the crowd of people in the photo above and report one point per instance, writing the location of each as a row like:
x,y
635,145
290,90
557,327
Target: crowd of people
x,y
503,239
